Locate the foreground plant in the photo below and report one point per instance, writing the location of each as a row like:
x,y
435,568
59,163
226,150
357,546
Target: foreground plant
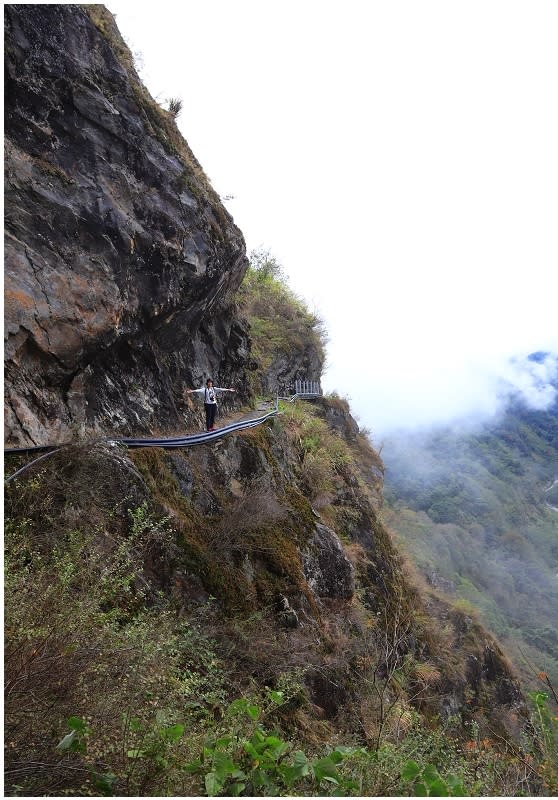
x,y
248,760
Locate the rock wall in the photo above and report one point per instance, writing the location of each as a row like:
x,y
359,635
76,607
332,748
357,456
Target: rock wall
x,y
121,261
284,371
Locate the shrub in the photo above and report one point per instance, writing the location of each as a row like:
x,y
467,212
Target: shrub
x,y
175,106
243,758
282,326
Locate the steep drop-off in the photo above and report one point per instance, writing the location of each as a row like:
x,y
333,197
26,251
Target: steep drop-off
x,y
121,261
146,590
167,585
473,508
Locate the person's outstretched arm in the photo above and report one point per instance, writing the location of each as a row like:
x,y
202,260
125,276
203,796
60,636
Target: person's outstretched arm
x,y
194,391
220,389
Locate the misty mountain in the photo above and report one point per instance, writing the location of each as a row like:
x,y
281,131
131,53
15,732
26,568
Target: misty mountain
x,y
474,505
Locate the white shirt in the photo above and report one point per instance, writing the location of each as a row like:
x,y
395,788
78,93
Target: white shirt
x,y
209,394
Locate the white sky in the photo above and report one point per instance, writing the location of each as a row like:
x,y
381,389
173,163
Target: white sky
x,y
399,158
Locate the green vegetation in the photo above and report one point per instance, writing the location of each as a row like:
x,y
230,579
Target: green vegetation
x,y
283,330
472,510
150,598
126,676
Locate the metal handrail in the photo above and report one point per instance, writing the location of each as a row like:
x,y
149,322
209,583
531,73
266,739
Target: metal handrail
x,y
168,443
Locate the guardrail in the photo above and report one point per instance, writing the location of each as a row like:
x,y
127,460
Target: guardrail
x,y
168,443
308,388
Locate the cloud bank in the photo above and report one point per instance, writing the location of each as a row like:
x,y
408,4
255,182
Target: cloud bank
x,y
413,395
534,381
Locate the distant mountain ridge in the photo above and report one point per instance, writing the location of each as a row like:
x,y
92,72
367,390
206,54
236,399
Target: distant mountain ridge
x,y
474,509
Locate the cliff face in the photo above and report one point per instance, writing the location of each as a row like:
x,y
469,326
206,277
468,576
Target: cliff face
x,y
259,561
120,259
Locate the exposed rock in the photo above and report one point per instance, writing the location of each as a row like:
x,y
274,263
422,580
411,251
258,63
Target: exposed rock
x,y
121,261
339,417
327,569
437,581
281,375
327,690
287,614
188,590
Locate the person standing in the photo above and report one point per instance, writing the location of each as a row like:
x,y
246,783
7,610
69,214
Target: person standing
x,y
209,401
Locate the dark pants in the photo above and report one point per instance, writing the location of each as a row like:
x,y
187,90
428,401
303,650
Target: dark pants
x,y
210,411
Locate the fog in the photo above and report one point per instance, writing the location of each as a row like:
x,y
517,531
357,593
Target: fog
x,y
420,395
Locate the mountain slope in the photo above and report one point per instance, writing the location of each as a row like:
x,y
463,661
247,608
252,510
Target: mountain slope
x,y
473,507
233,616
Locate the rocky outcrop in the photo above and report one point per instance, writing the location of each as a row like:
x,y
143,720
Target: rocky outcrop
x,y
327,569
281,375
121,261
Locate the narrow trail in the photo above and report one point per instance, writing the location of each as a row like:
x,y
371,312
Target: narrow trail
x,y
250,420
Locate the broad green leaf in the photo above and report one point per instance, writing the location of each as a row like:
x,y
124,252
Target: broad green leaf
x,y
410,771
430,773
420,790
261,778
104,783
292,774
193,766
276,747
272,741
222,765
237,706
456,785
348,751
253,712
77,724
276,697
299,768
300,758
325,768
438,788
223,742
213,784
251,750
236,789
173,733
